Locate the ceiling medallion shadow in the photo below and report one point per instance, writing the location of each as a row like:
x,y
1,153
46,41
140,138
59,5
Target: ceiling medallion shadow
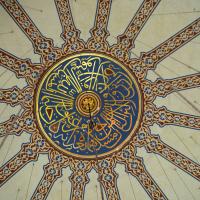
x,y
85,88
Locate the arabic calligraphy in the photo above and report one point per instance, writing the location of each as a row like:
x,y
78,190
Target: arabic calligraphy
x,y
78,83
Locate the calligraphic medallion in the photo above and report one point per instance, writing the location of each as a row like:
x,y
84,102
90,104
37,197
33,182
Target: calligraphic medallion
x,y
85,88
88,102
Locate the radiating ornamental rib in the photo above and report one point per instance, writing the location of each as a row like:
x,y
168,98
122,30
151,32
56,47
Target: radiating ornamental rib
x,y
42,45
99,32
17,124
23,68
52,171
108,178
79,179
162,116
155,145
152,58
29,152
15,96
135,166
125,42
70,33
164,87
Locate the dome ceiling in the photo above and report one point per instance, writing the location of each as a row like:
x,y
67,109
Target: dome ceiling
x,y
99,99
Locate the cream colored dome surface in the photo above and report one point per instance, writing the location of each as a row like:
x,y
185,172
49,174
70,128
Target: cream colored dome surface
x,y
99,99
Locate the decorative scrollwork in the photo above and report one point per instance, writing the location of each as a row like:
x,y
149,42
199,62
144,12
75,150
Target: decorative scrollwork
x,y
52,171
89,82
70,34
22,68
42,45
125,42
29,152
15,96
86,109
17,124
99,32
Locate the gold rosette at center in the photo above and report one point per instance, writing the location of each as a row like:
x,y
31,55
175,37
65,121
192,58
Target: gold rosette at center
x,y
88,102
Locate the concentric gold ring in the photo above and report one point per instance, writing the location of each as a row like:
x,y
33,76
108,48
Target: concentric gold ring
x,y
88,102
79,105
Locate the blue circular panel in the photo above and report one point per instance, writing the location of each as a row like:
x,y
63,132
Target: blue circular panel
x,y
88,105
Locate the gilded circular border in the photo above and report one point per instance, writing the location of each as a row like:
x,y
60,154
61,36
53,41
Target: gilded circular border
x,y
97,101
78,156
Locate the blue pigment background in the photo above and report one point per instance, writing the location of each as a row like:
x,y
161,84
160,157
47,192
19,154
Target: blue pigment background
x,y
56,86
